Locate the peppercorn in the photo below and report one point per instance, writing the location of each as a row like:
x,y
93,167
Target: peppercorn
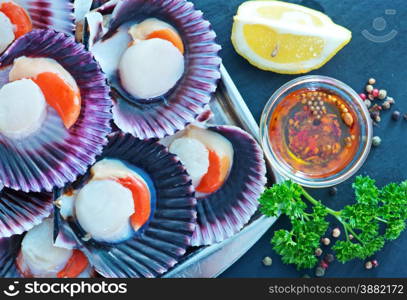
x,y
319,271
371,97
363,96
329,258
347,119
391,100
323,264
375,93
371,81
333,190
375,263
336,232
377,118
368,265
318,252
267,261
386,105
376,141
369,88
326,241
395,115
368,103
382,94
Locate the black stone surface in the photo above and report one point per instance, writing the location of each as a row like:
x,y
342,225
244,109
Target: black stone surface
x,y
359,60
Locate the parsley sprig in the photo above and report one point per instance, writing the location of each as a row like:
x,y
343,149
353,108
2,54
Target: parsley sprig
x,y
378,216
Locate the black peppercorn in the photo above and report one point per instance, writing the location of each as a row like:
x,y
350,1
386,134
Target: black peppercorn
x,y
395,115
329,258
333,190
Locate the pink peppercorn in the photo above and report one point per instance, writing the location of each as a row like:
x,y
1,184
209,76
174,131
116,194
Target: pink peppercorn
x,y
375,263
323,264
363,96
375,93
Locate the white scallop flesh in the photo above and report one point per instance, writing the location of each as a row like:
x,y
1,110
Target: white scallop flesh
x,y
103,209
31,67
142,30
6,32
22,108
112,168
213,141
150,68
193,155
39,256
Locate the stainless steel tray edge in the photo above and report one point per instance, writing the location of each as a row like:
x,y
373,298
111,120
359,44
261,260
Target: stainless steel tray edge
x,y
212,260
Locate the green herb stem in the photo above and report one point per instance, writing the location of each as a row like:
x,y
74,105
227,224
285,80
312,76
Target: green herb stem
x,y
373,206
337,215
316,202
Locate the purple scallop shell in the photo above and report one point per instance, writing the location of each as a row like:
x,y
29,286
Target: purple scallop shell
x,y
9,248
186,101
101,5
225,212
170,230
21,211
50,14
53,156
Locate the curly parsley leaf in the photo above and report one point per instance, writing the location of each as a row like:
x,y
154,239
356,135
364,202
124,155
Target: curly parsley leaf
x,y
377,216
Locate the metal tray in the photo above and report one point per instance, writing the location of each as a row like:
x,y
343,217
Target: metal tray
x,y
229,108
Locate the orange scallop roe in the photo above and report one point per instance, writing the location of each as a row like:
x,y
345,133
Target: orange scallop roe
x,y
168,35
75,265
216,175
61,96
18,16
141,198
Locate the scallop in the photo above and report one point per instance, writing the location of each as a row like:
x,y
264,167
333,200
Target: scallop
x,y
38,255
161,72
35,255
19,17
146,61
227,192
31,67
136,201
55,111
6,32
194,155
20,115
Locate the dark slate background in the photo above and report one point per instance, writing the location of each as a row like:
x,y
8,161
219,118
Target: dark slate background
x,y
359,60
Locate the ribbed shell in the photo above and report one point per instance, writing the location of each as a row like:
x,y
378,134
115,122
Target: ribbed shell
x,y
53,156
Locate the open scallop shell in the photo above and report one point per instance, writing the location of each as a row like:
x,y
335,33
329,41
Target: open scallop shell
x,y
50,14
185,102
169,233
9,251
53,156
226,211
21,211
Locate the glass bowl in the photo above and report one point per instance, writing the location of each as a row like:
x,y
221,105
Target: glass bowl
x,y
352,100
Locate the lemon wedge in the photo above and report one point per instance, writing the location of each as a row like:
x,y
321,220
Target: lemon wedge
x,y
286,38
